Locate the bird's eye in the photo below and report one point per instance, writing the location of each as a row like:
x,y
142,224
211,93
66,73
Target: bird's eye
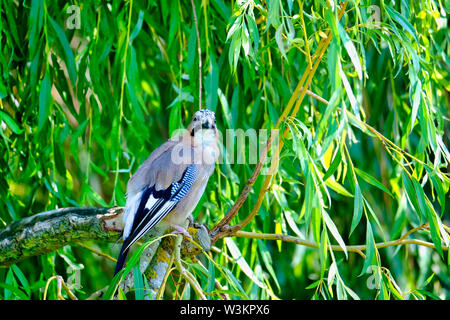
x,y
195,118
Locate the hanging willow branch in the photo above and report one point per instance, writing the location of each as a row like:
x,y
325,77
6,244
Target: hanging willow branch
x,y
223,228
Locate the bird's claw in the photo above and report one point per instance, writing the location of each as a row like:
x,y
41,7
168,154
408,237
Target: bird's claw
x,y
181,230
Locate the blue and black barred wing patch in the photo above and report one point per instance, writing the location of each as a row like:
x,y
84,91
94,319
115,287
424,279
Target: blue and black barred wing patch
x,y
155,205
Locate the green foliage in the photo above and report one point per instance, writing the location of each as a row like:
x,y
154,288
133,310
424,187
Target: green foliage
x,y
80,109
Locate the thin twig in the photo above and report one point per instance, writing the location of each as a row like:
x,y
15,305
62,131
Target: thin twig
x,y
60,284
97,252
316,96
166,276
304,34
223,229
265,187
183,271
122,89
350,248
387,143
217,284
199,58
414,230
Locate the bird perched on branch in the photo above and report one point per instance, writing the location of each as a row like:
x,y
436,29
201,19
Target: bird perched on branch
x,y
170,183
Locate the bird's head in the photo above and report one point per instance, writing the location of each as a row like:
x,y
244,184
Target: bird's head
x,y
203,127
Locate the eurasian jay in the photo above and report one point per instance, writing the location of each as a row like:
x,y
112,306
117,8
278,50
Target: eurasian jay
x,y
168,185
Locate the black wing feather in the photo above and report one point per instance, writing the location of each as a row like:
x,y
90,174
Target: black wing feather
x,y
144,218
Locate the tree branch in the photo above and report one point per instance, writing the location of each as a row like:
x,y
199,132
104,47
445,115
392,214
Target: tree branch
x,y
48,231
199,57
223,229
350,248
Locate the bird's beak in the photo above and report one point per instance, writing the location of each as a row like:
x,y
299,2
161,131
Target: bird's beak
x,y
208,125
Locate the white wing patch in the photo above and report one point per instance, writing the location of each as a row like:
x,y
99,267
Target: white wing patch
x,y
149,206
161,213
131,208
165,209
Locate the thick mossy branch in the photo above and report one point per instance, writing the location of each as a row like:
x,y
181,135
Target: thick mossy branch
x,y
47,231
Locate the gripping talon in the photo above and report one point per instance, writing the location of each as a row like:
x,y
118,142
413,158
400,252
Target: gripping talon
x,y
181,230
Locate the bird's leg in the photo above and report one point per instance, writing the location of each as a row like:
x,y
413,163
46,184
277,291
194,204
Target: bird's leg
x,y
180,230
190,218
192,223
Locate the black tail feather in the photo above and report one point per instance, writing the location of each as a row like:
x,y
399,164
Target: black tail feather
x,y
121,259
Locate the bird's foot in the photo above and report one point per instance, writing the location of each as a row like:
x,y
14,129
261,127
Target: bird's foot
x,y
181,230
192,223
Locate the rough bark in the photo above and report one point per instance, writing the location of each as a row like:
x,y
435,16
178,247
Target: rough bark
x,y
48,231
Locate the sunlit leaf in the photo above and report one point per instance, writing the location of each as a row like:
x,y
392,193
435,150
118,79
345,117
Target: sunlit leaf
x,y
236,253
370,179
45,101
357,208
334,231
